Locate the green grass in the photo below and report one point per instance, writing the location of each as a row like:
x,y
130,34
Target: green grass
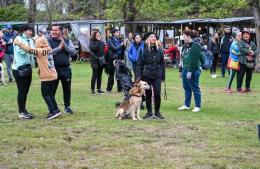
x,y
223,135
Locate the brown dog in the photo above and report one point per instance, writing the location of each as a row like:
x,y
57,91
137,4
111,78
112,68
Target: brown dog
x,y
131,107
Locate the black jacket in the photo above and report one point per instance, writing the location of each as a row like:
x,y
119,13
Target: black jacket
x,y
97,48
150,63
225,43
115,49
214,47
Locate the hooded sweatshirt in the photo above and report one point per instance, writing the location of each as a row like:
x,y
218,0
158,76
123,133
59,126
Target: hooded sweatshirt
x,y
47,71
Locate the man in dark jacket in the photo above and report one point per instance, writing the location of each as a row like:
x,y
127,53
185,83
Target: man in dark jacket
x,y
115,52
225,44
9,53
62,50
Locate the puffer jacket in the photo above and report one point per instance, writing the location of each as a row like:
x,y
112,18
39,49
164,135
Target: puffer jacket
x,y
150,63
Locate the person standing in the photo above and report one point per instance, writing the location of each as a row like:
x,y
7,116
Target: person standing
x,y
128,41
115,52
214,48
225,44
22,69
150,65
97,47
192,59
62,50
247,58
47,73
234,58
133,51
8,37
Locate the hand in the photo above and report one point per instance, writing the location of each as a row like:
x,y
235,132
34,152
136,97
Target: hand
x,y
189,75
122,44
61,46
10,41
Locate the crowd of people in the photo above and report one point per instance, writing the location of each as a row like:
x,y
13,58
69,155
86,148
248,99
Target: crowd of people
x,y
143,54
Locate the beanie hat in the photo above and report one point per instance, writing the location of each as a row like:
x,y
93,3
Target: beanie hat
x,y
147,34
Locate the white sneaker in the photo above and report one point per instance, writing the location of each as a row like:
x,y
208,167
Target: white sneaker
x,y
196,109
184,107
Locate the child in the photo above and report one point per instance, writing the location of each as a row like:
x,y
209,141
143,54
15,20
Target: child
x,y
47,73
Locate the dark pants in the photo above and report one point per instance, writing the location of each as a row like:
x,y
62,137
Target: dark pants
x,y
23,86
192,85
47,88
240,76
224,61
156,85
110,81
231,77
64,75
214,65
96,77
134,64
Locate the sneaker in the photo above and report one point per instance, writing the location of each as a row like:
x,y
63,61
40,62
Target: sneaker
x,y
25,115
247,90
213,76
196,109
68,110
99,91
240,90
184,107
108,91
159,115
93,92
148,116
53,115
10,80
228,91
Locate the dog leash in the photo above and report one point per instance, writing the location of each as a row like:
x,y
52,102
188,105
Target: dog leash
x,y
165,92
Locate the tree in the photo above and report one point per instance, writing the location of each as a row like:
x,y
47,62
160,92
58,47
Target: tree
x,y
31,11
255,6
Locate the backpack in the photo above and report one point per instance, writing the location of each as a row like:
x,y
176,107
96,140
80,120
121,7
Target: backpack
x,y
208,56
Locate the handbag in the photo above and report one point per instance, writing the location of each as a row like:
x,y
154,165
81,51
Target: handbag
x,y
102,61
24,70
233,64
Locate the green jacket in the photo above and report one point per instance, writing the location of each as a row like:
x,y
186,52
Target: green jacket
x,y
244,49
192,56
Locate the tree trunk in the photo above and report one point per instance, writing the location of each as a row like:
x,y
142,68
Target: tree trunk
x,y
129,14
255,6
31,11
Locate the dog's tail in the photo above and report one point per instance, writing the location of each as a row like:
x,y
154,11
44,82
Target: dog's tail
x,y
117,104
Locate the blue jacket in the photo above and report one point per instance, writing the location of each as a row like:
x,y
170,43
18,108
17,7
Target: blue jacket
x,y
9,46
234,51
133,51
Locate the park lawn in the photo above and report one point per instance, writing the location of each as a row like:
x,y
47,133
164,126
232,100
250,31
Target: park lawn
x,y
223,135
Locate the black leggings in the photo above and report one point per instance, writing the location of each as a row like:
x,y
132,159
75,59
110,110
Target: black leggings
x,y
47,88
214,65
96,77
156,85
23,86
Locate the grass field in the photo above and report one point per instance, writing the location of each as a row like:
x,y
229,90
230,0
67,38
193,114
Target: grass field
x,y
223,135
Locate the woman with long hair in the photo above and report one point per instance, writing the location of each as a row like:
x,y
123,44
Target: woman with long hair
x,y
150,66
97,48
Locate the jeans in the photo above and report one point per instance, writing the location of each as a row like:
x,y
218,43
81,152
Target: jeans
x,y
224,61
192,85
240,76
64,75
156,85
47,88
23,86
8,61
96,77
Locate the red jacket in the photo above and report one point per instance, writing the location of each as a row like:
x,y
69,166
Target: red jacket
x,y
173,52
